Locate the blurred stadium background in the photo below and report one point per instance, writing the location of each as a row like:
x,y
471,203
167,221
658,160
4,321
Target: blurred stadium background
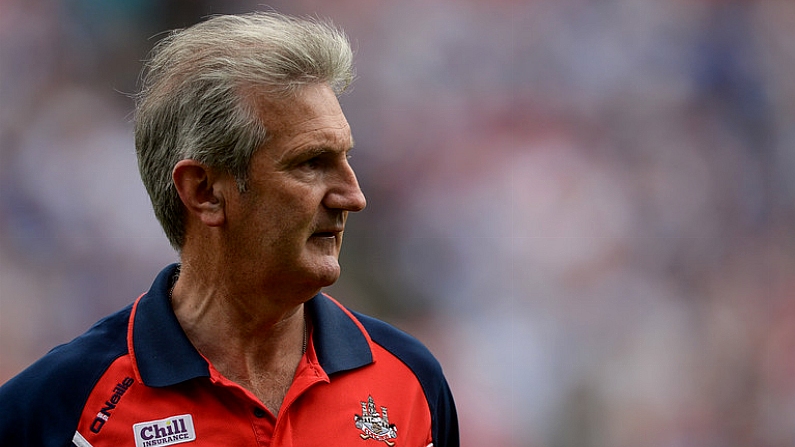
x,y
584,207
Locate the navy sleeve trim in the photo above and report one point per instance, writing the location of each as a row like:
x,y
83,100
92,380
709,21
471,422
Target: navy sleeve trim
x,y
429,373
42,405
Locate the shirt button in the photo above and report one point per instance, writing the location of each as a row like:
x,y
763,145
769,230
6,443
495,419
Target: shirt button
x,y
259,412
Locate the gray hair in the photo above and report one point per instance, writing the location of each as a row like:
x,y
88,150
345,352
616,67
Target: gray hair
x,y
199,90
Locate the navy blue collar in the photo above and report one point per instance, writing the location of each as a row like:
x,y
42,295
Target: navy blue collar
x,y
165,356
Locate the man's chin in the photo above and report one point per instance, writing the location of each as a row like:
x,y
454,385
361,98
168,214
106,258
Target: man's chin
x,y
327,272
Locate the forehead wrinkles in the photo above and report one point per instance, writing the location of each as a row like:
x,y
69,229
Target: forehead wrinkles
x,y
270,104
311,133
312,111
309,120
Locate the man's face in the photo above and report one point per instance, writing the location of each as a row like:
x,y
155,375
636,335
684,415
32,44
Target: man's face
x,y
286,229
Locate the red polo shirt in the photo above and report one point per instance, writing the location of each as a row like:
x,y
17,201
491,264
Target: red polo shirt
x,y
134,379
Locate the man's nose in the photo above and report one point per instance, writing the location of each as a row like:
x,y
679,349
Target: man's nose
x,y
345,193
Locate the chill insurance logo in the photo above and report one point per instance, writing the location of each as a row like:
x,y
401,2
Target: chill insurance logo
x,y
169,431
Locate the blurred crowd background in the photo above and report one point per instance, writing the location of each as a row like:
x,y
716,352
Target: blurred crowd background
x,y
585,208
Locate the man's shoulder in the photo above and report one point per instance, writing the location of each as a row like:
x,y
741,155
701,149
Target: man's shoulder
x,y
428,371
54,388
404,346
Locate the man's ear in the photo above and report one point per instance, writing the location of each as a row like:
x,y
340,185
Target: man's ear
x,y
201,190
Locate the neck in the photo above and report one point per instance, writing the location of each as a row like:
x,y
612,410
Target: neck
x,y
260,292
253,340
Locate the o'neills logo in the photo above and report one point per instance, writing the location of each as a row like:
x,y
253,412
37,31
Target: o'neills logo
x,y
110,404
169,431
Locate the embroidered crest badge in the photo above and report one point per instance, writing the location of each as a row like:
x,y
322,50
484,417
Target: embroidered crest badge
x,y
375,425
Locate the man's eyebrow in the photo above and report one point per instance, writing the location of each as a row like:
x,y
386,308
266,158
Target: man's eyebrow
x,y
325,149
309,152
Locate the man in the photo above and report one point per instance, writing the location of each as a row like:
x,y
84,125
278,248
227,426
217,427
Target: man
x,y
243,149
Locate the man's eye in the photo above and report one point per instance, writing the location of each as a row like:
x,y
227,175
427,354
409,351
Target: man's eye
x,y
312,163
